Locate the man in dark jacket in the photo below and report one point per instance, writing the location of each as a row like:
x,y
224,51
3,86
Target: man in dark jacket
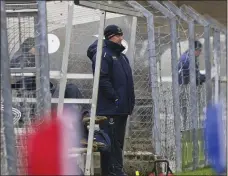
x,y
184,63
116,96
184,79
25,57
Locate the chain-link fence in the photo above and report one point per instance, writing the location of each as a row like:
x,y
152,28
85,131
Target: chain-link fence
x,y
168,115
85,32
27,65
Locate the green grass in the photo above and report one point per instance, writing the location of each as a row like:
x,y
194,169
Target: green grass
x,y
203,171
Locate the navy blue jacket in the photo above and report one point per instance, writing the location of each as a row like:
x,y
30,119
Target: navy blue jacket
x,y
116,81
184,73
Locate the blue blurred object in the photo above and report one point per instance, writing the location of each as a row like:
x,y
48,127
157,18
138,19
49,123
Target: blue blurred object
x,y
214,137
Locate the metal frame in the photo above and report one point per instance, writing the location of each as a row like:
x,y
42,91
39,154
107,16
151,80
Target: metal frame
x,y
217,29
153,72
215,24
9,135
131,52
26,12
201,20
54,100
207,27
65,59
24,70
88,169
217,60
55,75
37,64
162,9
175,88
193,93
113,8
44,58
226,102
194,15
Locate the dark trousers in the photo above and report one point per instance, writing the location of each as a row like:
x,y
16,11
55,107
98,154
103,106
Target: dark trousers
x,y
112,163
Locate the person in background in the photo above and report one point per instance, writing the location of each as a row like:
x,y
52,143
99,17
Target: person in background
x,y
116,98
184,66
25,58
184,79
25,86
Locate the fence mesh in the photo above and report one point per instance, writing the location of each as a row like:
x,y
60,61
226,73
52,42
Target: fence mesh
x,y
140,144
27,101
84,32
139,150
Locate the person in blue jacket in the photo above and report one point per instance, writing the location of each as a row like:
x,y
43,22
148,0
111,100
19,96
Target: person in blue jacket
x,y
25,57
183,67
184,79
116,98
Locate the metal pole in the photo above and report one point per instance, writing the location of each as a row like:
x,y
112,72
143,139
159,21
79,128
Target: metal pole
x,y
175,92
154,82
207,59
154,78
95,94
10,141
217,57
226,44
37,63
132,42
44,57
132,62
66,51
193,98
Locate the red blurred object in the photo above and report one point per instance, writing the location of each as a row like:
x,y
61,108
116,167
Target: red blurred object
x,y
43,149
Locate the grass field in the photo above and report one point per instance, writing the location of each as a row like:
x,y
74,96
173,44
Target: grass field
x,y
203,171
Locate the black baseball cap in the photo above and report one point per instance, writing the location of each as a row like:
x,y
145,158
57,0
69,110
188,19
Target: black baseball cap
x,y
111,31
198,45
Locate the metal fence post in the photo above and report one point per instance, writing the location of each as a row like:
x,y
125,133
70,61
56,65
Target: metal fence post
x,y
170,16
63,79
44,57
193,99
201,20
226,44
218,28
217,57
132,62
153,73
132,42
8,124
37,64
176,94
154,82
95,93
175,89
207,59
